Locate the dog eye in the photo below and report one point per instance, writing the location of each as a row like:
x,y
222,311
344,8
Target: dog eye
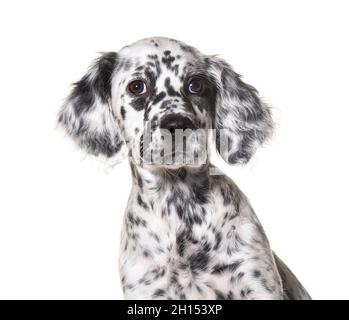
x,y
195,85
137,87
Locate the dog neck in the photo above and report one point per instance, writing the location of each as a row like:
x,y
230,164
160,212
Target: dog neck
x,y
154,181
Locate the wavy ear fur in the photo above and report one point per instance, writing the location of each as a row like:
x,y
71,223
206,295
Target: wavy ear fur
x,y
87,115
242,121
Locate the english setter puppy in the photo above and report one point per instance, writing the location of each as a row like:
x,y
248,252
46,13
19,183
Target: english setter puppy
x,y
189,232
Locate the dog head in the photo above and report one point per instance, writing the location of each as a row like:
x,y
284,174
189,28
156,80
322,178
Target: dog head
x,y
157,99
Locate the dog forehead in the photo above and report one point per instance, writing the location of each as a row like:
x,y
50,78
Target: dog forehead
x,y
143,49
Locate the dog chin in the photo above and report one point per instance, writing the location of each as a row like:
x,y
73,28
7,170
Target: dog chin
x,y
178,162
180,165
173,160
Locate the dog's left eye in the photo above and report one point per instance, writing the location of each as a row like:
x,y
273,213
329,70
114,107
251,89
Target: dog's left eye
x,y
137,87
195,85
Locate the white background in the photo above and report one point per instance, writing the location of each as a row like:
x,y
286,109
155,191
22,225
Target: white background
x,y
61,213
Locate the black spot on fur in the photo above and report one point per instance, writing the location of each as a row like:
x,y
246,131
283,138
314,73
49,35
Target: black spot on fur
x,y
101,83
153,56
150,75
179,210
267,287
141,202
166,104
198,261
220,268
146,253
123,112
170,90
200,193
159,97
140,182
138,104
168,60
218,240
181,242
256,273
159,293
154,42
187,48
219,295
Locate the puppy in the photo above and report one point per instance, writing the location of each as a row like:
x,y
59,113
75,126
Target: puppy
x,y
189,232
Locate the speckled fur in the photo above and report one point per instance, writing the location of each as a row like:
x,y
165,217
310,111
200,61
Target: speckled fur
x,y
187,233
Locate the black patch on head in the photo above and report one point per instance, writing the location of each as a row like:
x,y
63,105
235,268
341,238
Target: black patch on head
x,y
168,60
187,48
138,104
175,69
170,90
153,56
154,42
150,75
166,104
159,97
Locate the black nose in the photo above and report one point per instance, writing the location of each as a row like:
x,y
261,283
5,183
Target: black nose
x,y
175,121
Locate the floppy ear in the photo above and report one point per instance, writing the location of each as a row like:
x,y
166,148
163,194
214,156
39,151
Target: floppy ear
x,y
87,115
242,120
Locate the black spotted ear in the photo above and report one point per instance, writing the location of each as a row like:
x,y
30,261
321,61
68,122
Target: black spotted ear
x,y
87,115
242,121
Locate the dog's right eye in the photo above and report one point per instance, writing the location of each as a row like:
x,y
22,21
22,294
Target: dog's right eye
x,y
137,88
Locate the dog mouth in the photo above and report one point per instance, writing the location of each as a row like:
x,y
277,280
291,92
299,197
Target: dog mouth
x,y
172,149
160,156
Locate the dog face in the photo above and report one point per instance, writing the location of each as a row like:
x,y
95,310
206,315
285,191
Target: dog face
x,y
164,100
157,99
